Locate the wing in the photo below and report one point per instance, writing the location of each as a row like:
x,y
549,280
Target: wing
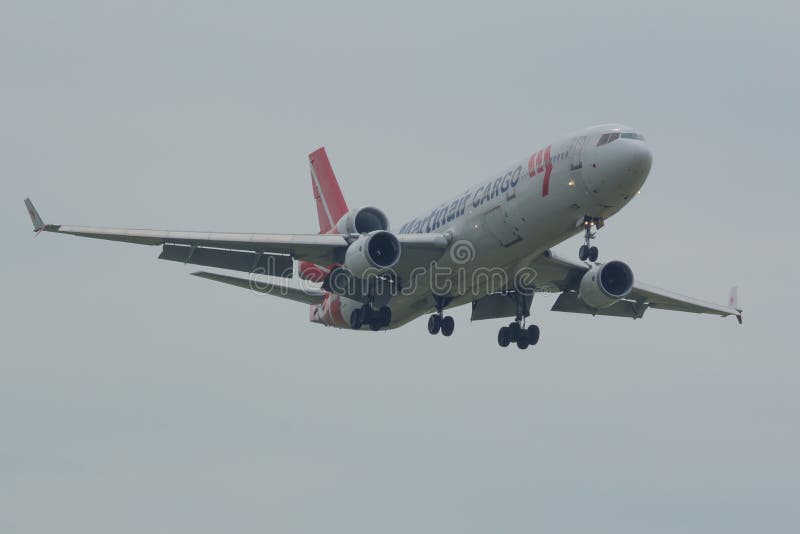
x,y
270,254
558,274
182,246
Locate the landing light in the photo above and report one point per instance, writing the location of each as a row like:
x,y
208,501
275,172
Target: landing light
x,y
571,183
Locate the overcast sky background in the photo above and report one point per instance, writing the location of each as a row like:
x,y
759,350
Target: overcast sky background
x,y
135,398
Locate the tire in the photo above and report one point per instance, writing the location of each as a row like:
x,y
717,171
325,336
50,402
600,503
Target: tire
x,y
434,324
503,338
522,342
448,325
514,330
355,319
366,313
533,334
593,254
375,325
385,315
583,252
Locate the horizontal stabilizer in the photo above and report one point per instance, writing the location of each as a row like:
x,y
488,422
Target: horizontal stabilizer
x,y
306,296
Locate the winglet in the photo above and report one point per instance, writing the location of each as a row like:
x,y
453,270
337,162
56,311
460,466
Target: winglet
x,y
38,224
733,302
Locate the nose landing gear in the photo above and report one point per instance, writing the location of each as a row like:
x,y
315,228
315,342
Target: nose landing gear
x,y
587,252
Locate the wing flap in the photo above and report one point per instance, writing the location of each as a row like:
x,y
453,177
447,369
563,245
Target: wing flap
x,y
569,302
249,262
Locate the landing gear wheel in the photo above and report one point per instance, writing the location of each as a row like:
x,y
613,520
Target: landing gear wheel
x,y
366,314
355,319
522,341
514,330
375,325
503,337
593,254
448,325
384,316
583,252
434,324
532,334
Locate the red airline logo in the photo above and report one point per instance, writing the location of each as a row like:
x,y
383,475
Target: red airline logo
x,y
541,162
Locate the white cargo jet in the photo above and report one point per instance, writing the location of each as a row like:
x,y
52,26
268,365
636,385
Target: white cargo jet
x,y
489,246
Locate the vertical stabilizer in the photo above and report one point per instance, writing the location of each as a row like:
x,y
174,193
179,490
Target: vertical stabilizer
x,y
327,195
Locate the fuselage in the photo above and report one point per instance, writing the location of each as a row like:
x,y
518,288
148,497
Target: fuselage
x,y
505,222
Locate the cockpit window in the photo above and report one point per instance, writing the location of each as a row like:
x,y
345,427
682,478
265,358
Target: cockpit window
x,y
632,135
611,137
607,138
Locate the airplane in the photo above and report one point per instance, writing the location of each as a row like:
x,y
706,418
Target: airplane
x,y
489,246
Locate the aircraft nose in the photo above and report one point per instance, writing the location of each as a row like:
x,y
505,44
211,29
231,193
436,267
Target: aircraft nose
x,y
640,159
620,171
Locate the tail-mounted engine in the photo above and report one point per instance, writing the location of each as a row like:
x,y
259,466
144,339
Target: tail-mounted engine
x,y
362,221
605,284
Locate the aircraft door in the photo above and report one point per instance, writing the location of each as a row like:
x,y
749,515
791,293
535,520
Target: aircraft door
x,y
502,221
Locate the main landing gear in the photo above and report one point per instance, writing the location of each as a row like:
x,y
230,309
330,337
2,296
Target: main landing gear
x,y
587,252
375,319
438,322
517,333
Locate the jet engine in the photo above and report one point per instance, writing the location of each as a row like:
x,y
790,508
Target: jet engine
x,y
372,254
605,284
362,221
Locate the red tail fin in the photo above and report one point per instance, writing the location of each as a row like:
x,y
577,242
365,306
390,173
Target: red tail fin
x,y
330,202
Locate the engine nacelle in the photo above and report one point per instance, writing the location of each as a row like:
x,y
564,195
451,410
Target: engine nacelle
x,y
362,221
605,284
372,254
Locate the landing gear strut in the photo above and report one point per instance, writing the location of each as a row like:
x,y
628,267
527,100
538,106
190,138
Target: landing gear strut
x,y
366,315
438,322
587,252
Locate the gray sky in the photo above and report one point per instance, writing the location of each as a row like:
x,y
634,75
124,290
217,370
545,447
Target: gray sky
x,y
136,398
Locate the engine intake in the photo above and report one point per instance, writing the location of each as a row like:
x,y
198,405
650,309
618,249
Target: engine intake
x,y
362,221
372,254
604,285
